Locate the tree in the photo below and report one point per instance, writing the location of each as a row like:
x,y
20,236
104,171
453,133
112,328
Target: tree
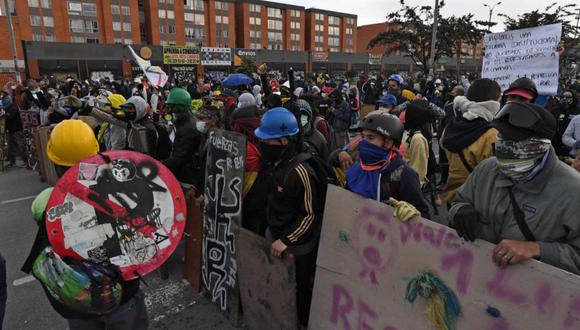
x,y
410,31
553,14
248,66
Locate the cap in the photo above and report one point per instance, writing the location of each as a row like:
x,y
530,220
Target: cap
x,y
519,121
526,94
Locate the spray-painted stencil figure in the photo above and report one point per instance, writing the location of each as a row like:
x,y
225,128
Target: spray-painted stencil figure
x,y
122,208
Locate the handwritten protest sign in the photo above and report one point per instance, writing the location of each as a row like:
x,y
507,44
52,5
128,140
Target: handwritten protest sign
x,y
367,257
222,213
531,53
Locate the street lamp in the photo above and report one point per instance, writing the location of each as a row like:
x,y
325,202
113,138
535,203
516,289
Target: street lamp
x,y
491,8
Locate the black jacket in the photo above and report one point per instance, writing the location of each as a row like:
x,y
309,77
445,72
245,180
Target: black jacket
x,y
293,210
41,100
13,122
185,145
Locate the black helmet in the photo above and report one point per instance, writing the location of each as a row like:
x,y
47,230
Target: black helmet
x,y
525,84
520,120
385,124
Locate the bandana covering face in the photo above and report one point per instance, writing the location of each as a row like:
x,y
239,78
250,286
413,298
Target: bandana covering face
x,y
363,178
518,159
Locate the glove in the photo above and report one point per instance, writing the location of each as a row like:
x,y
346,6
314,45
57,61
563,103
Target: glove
x,y
404,211
467,223
577,145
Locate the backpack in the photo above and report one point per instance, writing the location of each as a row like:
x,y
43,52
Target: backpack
x,y
78,289
331,138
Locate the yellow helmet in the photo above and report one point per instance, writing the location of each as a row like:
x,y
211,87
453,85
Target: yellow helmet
x,y
70,142
116,101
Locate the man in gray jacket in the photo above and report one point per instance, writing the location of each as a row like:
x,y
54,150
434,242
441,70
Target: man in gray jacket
x,y
524,200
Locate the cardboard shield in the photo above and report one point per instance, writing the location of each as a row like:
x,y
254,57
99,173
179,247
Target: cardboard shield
x,y
127,210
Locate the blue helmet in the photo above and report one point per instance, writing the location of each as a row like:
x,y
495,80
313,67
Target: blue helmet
x,y
397,78
277,123
387,99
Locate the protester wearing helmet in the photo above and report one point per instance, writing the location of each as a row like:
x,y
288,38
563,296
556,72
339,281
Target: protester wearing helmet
x,y
187,138
524,200
396,88
293,208
127,302
381,173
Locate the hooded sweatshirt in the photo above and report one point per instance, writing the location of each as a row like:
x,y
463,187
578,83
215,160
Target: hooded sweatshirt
x,y
472,136
246,99
257,96
142,135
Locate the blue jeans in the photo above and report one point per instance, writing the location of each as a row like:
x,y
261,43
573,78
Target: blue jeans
x,y
3,294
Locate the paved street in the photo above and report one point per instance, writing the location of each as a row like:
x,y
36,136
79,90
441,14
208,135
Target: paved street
x,y
171,303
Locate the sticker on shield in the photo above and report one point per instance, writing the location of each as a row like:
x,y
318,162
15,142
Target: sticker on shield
x,y
123,208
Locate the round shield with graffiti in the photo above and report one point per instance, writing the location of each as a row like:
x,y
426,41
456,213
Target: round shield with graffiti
x,y
121,208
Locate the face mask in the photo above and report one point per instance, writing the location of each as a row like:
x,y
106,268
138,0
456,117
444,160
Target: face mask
x,y
518,159
200,125
130,116
372,155
395,91
272,153
567,101
304,120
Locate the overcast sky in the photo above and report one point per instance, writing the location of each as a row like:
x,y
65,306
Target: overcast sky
x,y
374,11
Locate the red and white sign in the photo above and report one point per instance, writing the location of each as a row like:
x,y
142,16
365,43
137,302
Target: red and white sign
x,y
128,211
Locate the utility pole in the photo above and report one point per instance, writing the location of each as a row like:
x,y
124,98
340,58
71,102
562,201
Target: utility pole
x,y
13,42
434,39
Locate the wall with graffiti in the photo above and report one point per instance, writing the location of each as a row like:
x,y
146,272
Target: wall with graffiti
x,y
222,213
368,260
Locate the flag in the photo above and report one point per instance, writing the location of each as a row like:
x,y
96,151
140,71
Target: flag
x,y
154,74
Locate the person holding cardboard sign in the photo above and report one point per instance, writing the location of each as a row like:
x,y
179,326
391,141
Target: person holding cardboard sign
x,y
516,199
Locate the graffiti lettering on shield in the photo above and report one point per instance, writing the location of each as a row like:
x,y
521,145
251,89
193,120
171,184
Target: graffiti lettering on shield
x,y
223,210
122,208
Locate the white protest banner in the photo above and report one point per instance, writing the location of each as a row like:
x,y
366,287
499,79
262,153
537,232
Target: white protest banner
x,y
154,74
531,53
367,258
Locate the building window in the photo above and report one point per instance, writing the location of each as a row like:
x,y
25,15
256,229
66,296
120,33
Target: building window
x,y
79,39
199,19
47,4
161,13
219,5
35,20
255,8
171,29
255,21
37,37
128,41
274,12
319,17
115,10
274,25
333,20
77,25
295,25
33,4
162,28
127,27
116,26
333,30
118,41
222,19
194,5
89,9
188,17
49,37
126,10
92,41
48,21
295,13
170,14
91,26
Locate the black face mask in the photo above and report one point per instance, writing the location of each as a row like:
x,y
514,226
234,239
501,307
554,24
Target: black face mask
x,y
130,116
272,153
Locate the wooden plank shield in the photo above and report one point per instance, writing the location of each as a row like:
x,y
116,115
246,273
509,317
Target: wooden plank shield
x,y
122,208
367,257
267,284
222,212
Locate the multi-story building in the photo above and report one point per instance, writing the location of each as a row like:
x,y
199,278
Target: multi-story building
x,y
328,31
270,25
48,32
